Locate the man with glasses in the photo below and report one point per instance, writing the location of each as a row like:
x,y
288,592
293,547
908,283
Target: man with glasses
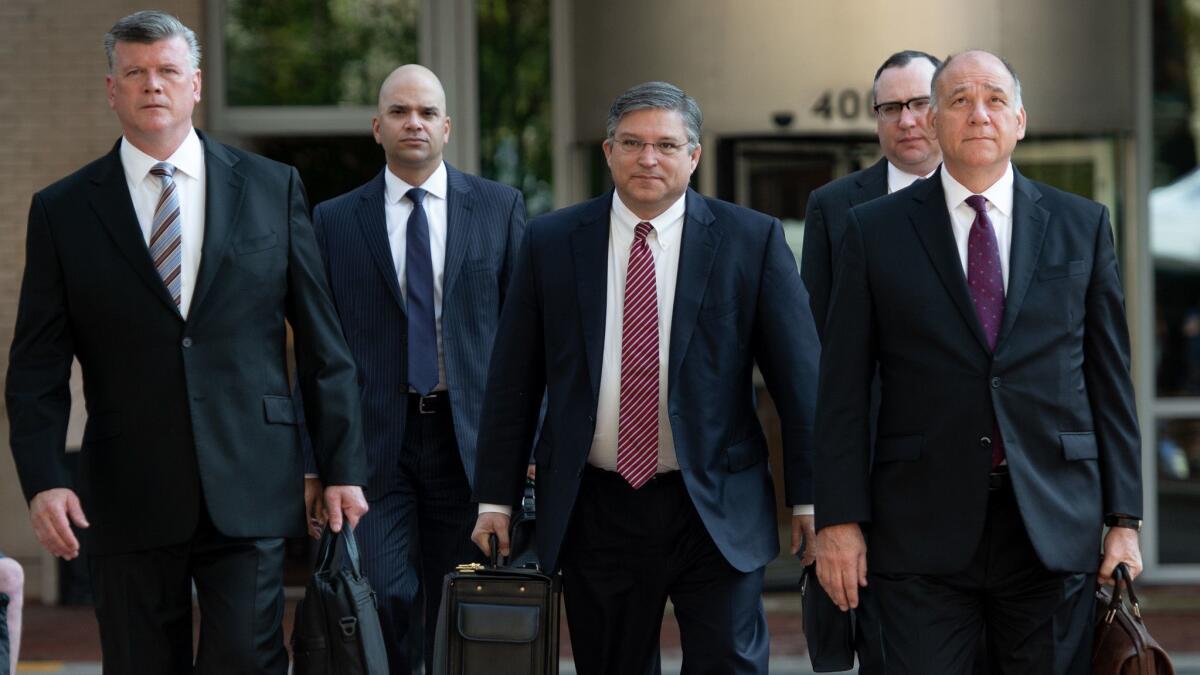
x,y
642,314
910,152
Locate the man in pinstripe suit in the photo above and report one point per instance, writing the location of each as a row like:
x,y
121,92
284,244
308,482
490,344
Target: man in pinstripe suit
x,y
418,259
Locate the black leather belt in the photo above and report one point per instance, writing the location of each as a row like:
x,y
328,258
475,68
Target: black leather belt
x,y
999,479
435,403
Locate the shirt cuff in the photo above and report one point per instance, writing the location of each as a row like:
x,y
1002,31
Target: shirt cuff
x,y
311,475
803,510
495,508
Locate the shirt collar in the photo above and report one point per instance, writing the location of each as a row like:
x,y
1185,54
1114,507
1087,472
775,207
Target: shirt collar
x,y
999,195
898,179
667,225
395,188
188,159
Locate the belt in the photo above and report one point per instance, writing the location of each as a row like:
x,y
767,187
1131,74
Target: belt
x,y
999,479
432,404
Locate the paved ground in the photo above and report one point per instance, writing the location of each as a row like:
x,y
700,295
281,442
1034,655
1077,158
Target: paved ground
x,y
65,640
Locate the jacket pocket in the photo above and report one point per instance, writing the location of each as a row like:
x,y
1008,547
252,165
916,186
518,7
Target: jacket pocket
x,y
745,454
255,244
1067,269
279,409
899,448
1079,445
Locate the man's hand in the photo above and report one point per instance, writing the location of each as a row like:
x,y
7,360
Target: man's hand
x,y
842,563
52,512
344,501
804,534
314,506
531,471
1120,545
487,524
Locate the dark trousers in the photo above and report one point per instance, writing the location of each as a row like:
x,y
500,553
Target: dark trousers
x,y
626,553
144,606
1036,622
416,532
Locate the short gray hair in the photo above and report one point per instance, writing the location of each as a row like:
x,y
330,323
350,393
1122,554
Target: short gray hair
x,y
657,96
147,27
937,73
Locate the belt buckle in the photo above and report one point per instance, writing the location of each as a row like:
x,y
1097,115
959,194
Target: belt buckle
x,y
431,400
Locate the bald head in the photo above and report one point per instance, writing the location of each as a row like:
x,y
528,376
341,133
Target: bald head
x,y
975,59
413,76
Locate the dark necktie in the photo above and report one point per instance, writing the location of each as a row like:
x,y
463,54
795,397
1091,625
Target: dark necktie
x,y
986,283
418,274
637,416
166,240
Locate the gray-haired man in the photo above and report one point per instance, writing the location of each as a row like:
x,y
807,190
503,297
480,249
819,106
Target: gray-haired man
x,y
168,268
642,313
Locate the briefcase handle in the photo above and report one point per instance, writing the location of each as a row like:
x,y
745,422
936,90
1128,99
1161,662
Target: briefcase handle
x,y
1121,577
330,555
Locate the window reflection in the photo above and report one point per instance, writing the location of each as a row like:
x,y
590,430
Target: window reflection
x,y
1178,450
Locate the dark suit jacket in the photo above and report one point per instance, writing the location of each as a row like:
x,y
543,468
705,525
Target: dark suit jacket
x,y
180,411
824,225
485,221
738,301
1058,387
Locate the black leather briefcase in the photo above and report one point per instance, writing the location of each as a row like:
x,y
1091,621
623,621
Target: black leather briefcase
x,y
828,630
337,629
500,619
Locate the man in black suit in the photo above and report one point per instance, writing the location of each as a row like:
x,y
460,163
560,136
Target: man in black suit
x,y
1007,437
642,314
418,260
910,153
168,268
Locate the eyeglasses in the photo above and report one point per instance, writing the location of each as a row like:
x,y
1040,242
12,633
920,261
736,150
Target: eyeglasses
x,y
633,146
890,110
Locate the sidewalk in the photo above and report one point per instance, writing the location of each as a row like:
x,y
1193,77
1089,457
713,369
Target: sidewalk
x,y
65,640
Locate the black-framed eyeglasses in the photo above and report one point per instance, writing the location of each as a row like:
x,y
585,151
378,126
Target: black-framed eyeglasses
x,y
633,146
890,110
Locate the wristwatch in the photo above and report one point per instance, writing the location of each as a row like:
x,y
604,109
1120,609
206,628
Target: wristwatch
x,y
1118,520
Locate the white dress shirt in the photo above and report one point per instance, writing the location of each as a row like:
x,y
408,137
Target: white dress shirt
x,y
397,209
145,189
898,179
999,210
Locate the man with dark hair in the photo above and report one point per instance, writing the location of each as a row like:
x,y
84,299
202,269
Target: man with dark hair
x,y
168,268
910,152
642,314
1007,435
418,260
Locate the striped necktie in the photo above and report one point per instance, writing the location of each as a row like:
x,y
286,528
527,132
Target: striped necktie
x,y
166,238
637,415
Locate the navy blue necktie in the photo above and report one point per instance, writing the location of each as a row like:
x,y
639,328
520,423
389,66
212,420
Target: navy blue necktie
x,y
418,273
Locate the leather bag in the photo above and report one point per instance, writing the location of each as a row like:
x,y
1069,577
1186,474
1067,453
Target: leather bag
x,y
337,629
828,631
1122,645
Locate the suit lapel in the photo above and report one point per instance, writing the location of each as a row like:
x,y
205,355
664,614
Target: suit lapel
x,y
872,184
372,221
589,245
1029,223
932,223
109,198
225,189
698,249
459,224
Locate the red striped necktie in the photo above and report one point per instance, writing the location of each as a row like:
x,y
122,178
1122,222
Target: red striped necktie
x,y
637,417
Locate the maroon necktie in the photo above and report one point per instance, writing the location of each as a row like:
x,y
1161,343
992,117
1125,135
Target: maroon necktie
x,y
637,417
985,280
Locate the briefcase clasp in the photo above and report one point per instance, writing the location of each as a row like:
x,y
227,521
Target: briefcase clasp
x,y
469,568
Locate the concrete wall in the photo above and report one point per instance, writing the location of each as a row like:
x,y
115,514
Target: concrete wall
x,y
54,118
746,59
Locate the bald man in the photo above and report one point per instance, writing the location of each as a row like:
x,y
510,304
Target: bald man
x,y
418,260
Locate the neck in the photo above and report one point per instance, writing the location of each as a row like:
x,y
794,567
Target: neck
x,y
158,147
414,175
976,180
923,169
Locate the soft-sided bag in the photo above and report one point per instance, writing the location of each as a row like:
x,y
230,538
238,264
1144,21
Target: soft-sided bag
x,y
828,630
337,628
1122,645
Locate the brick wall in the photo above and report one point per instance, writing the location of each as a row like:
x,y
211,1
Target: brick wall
x,y
54,118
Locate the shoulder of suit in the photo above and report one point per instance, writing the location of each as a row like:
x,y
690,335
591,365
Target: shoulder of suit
x,y
1053,198
487,184
249,161
839,186
67,186
571,216
723,210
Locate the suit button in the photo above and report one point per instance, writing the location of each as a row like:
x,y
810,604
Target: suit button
x,y
995,383
187,342
592,419
985,442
